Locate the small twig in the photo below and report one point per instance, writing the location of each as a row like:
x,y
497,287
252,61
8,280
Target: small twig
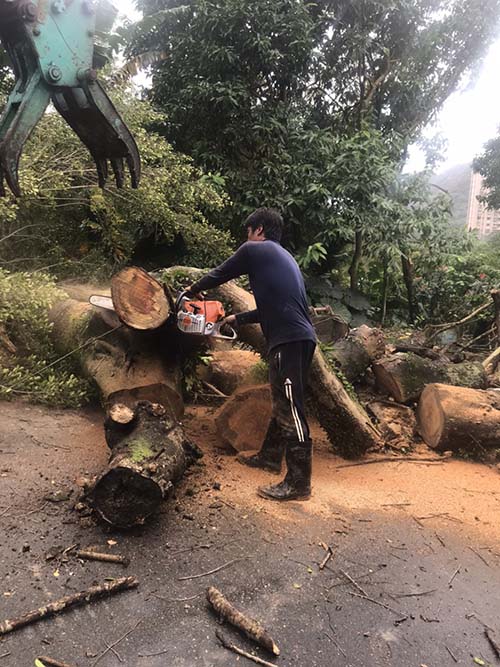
x,y
150,655
4,655
213,389
50,662
111,646
454,575
232,647
5,510
450,652
108,558
191,597
217,569
336,644
393,459
413,595
479,556
354,583
440,539
494,644
329,554
113,651
380,604
196,546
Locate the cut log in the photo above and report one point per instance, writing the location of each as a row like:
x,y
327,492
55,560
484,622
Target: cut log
x,y
404,375
243,419
148,456
345,421
127,366
492,361
328,326
139,300
459,418
230,369
355,353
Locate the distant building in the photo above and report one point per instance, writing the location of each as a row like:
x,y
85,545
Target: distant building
x,y
480,219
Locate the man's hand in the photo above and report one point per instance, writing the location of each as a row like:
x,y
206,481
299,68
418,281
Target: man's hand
x,y
194,295
230,319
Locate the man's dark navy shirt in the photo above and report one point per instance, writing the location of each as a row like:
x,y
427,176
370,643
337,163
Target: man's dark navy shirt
x,y
278,288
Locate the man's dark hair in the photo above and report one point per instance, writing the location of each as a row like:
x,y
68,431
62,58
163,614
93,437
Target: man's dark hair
x,y
269,219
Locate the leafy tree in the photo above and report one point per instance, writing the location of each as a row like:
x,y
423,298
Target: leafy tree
x,y
63,220
267,93
488,165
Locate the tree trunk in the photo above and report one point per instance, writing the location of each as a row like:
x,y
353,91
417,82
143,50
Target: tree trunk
x,y
347,425
140,370
128,366
495,295
404,375
355,353
149,454
407,266
385,288
457,418
356,259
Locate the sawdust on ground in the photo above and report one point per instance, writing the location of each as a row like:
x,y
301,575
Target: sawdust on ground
x,y
457,494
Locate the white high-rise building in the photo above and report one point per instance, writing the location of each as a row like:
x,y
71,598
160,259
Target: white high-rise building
x,y
483,220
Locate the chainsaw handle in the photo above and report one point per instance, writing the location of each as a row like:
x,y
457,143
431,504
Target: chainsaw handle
x,y
220,336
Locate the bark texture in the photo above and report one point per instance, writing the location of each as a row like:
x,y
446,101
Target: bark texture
x,y
404,375
148,456
459,418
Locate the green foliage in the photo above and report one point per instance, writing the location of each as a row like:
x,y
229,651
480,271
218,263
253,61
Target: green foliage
x,y
488,165
33,370
307,106
327,349
64,221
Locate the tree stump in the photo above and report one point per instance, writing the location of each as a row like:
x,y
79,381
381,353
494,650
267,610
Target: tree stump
x,y
404,375
148,456
459,418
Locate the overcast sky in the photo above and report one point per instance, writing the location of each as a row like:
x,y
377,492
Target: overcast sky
x,y
468,119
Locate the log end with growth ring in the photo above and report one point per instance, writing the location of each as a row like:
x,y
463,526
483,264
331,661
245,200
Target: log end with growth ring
x,y
139,299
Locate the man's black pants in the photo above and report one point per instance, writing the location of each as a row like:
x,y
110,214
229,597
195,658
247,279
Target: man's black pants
x,y
289,366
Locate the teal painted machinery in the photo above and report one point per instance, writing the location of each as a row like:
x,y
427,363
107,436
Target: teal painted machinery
x,y
51,45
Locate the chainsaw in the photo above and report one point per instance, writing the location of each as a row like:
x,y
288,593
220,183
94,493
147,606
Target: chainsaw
x,y
201,318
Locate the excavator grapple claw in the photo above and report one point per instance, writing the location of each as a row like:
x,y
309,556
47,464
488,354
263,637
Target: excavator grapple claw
x,y
37,35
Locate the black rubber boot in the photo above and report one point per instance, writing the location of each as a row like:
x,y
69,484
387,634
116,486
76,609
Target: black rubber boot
x,y
297,482
271,453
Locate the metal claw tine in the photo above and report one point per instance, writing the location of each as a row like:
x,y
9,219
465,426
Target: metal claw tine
x,y
26,115
135,170
118,170
102,170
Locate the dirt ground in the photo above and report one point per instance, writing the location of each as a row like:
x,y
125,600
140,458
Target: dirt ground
x,y
414,578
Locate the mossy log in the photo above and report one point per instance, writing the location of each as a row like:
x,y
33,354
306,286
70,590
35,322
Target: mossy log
x,y
404,375
128,366
346,423
459,418
149,453
355,353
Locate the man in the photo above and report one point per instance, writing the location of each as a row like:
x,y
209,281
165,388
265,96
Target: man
x,y
282,311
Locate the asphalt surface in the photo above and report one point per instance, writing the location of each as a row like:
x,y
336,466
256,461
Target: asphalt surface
x,y
399,590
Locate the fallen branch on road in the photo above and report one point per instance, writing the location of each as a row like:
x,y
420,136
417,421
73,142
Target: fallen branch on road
x,y
108,588
232,647
250,627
